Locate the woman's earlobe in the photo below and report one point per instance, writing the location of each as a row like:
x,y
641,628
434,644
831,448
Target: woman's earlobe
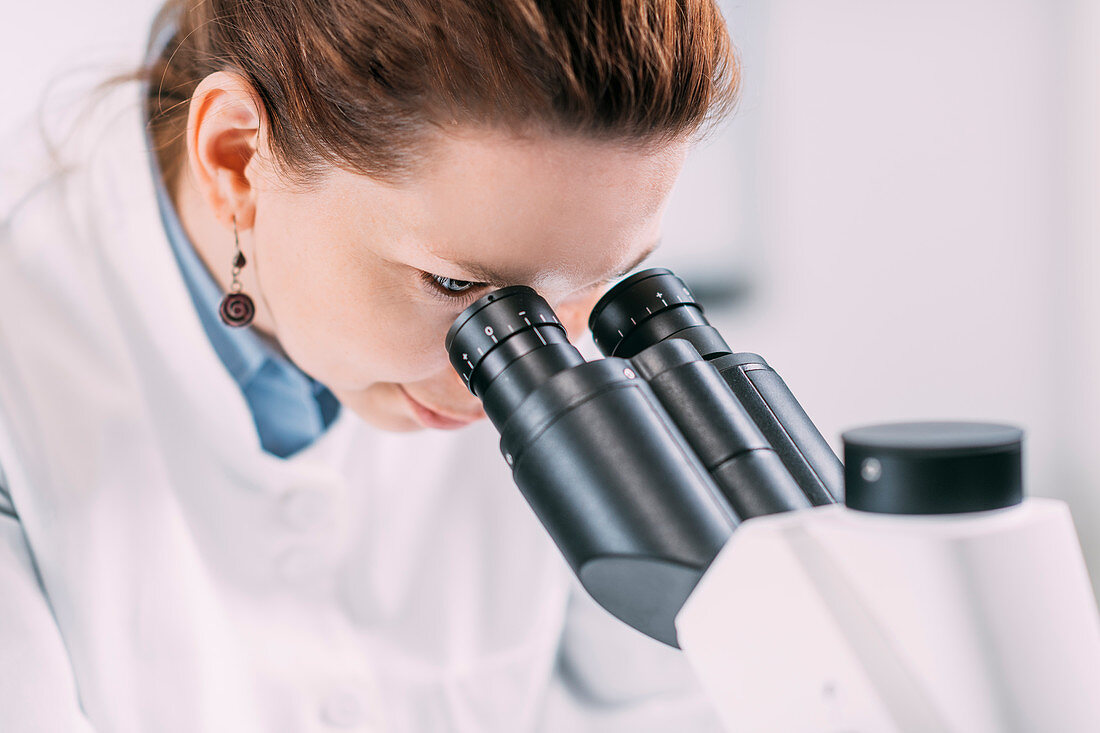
x,y
243,216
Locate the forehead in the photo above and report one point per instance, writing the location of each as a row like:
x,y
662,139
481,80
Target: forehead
x,y
547,211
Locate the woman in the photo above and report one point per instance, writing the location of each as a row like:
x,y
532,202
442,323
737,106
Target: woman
x,y
239,492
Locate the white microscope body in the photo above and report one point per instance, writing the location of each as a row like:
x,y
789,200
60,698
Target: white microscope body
x,y
834,620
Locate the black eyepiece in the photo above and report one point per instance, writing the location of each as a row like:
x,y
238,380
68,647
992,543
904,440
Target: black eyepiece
x,y
602,464
647,308
488,339
490,322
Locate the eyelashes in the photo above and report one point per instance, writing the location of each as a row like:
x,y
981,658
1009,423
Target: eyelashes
x,y
450,289
451,285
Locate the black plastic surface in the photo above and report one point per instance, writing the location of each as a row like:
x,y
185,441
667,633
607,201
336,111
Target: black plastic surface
x,y
789,430
933,467
719,430
630,507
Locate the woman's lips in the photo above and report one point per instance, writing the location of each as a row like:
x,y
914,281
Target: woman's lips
x,y
430,418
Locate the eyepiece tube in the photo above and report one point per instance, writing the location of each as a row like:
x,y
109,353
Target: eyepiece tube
x,y
746,469
653,306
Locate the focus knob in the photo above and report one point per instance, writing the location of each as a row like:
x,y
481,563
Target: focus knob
x,y
933,467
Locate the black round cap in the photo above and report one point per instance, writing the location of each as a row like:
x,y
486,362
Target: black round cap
x,y
933,467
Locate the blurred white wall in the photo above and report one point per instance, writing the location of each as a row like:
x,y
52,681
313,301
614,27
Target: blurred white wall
x,y
711,233
1080,330
65,43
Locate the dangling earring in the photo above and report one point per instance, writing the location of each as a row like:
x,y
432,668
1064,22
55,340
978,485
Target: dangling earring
x,y
237,308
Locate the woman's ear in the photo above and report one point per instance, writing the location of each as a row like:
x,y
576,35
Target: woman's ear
x,y
223,137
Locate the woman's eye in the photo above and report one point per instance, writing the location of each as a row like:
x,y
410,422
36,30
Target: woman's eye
x,y
455,286
448,286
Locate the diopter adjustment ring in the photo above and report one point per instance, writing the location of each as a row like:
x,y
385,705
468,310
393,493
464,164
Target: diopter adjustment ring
x,y
633,301
493,319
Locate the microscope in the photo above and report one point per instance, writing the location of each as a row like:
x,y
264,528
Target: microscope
x,y
910,589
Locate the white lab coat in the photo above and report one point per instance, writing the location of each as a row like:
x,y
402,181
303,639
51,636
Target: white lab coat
x,y
159,572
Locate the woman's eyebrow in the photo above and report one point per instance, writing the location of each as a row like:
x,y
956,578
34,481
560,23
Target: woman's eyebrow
x,y
485,275
489,276
638,260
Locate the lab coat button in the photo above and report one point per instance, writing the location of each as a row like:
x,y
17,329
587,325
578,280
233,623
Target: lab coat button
x,y
306,509
342,709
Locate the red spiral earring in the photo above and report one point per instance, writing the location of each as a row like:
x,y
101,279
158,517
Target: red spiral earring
x,y
237,308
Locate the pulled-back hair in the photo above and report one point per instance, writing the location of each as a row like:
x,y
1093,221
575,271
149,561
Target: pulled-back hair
x,y
360,84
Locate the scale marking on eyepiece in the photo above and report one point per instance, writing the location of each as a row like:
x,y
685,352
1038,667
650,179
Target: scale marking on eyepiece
x,y
491,323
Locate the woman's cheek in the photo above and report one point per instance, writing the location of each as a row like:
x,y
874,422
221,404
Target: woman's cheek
x,y
393,340
351,322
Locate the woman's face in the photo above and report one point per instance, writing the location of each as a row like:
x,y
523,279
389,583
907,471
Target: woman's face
x,y
362,280
358,281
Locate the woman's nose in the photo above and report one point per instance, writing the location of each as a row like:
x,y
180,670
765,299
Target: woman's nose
x,y
459,396
573,314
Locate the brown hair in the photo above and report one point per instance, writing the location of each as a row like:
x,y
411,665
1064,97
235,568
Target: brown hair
x,y
359,83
